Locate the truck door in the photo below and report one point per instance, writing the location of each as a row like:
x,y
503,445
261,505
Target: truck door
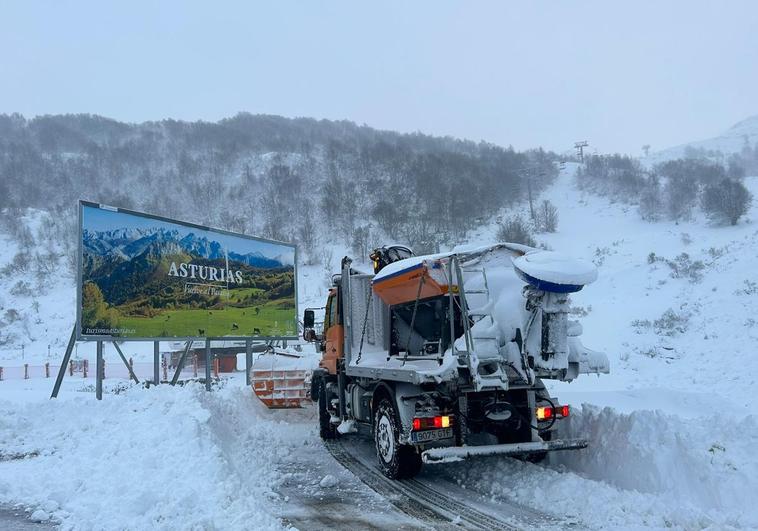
x,y
333,334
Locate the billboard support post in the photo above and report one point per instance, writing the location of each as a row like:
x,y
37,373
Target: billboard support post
x,y
100,370
64,364
156,363
248,359
126,362
207,364
180,365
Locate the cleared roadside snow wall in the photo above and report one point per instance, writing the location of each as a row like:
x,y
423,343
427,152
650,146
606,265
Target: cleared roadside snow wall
x,y
167,458
706,462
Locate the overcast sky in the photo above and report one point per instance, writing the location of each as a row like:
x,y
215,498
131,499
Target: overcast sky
x,y
519,73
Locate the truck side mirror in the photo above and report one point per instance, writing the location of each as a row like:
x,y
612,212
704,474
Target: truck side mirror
x,y
308,319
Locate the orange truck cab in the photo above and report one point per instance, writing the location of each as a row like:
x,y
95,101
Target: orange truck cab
x,y
331,344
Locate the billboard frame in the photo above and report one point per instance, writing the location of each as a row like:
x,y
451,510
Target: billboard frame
x,y
79,278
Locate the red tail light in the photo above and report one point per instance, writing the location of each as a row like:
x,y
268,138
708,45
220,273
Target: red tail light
x,y
547,413
426,423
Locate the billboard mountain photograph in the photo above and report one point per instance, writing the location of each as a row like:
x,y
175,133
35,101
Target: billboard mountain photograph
x,y
146,277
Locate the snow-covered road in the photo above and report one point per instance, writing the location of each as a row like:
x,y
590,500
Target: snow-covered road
x,y
168,458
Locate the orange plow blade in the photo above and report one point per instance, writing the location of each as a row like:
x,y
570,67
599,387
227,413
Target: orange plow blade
x,y
280,389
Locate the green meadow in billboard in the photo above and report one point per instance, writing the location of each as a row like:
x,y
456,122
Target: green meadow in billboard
x,y
145,277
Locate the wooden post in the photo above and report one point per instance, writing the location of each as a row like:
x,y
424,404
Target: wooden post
x,y
216,363
26,371
47,369
194,364
103,377
1,374
85,368
71,368
165,367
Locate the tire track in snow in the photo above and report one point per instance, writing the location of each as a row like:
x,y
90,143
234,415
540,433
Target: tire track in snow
x,y
434,500
284,463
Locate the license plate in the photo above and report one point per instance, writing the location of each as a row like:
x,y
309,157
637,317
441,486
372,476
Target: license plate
x,y
431,435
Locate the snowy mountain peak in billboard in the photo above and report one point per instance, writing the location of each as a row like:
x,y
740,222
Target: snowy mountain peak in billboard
x,y
130,243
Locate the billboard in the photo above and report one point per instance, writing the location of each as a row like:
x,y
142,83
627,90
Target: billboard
x,y
148,277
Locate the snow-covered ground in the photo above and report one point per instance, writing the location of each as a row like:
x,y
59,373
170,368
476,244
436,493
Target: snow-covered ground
x,y
672,429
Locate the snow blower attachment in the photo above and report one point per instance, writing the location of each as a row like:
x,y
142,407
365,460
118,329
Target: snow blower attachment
x,y
443,357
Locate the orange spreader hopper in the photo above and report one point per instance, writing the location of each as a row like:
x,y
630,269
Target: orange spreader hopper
x,y
279,387
402,286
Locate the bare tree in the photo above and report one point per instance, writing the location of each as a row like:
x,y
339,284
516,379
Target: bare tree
x,y
547,217
726,201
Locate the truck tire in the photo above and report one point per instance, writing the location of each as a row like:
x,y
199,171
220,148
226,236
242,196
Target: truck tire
x,y
326,430
398,461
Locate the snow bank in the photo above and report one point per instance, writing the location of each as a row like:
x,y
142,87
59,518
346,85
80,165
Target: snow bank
x,y
707,463
642,470
167,458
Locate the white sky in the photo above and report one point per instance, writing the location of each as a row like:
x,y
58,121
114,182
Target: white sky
x,y
521,73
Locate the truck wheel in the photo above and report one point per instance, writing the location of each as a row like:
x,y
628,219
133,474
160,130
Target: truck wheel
x,y
327,430
398,461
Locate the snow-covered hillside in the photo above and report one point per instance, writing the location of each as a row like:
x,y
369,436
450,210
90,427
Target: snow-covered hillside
x,y
671,429
731,141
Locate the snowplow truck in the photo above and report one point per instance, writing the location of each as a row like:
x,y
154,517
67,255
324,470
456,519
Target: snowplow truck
x,y
442,357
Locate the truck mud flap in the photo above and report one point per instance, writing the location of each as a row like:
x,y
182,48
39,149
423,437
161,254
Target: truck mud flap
x,y
458,453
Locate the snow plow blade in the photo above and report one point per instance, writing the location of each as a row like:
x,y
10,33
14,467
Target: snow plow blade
x,y
458,453
285,389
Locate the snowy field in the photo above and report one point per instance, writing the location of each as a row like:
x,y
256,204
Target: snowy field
x,y
672,429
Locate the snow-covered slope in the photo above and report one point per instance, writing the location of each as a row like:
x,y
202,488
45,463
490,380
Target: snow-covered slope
x,y
672,429
673,446
731,141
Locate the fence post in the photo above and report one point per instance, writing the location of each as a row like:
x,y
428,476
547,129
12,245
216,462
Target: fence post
x,y
103,369
165,367
194,364
215,367
26,371
85,368
71,368
131,364
1,374
47,370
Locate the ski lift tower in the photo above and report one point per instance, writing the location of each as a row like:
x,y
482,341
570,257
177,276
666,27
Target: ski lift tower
x,y
579,146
